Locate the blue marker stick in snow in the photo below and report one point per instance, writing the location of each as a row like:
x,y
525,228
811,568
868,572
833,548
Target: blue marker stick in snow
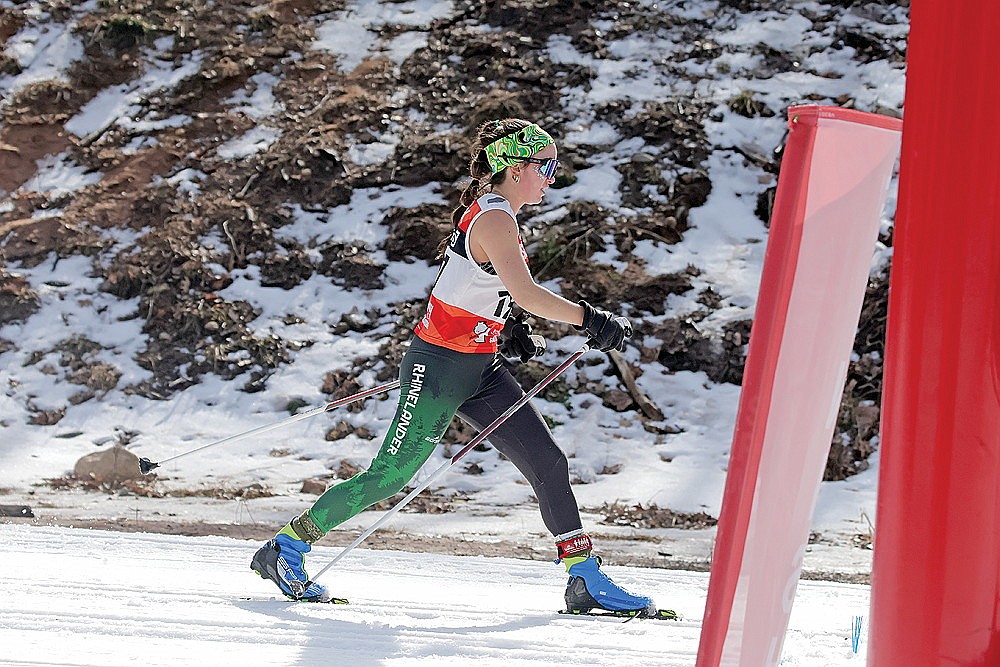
x,y
856,632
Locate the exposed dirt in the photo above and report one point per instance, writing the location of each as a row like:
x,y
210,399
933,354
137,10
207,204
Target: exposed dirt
x,y
651,516
389,539
21,146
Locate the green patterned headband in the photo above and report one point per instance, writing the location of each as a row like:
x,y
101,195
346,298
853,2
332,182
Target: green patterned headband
x,y
509,150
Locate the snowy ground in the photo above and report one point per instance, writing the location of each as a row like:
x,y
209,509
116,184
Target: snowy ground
x,y
101,598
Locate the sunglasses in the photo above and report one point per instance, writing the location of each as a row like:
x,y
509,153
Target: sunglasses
x,y
546,170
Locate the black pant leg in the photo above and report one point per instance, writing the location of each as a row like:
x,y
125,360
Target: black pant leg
x,y
525,439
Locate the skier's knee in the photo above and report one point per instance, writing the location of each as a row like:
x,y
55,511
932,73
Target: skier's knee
x,y
394,486
560,467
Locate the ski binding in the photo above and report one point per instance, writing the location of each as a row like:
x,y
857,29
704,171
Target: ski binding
x,y
628,615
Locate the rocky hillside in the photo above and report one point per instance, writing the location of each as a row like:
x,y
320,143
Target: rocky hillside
x,y
196,153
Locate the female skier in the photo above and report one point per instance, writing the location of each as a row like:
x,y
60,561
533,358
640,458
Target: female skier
x,y
452,365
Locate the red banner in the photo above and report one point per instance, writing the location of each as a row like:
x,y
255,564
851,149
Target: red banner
x,y
831,191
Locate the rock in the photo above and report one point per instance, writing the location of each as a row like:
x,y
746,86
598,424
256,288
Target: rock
x,y
19,511
47,417
618,400
347,470
339,431
255,490
314,486
113,466
18,300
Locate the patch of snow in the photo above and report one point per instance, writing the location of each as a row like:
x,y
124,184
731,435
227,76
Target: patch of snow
x,y
255,140
59,175
261,103
352,34
44,51
122,100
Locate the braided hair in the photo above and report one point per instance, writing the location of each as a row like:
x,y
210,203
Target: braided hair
x,y
483,177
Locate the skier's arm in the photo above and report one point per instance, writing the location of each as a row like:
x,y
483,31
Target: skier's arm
x,y
495,236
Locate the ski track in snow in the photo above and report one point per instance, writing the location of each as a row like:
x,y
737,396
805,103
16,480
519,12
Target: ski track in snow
x,y
87,597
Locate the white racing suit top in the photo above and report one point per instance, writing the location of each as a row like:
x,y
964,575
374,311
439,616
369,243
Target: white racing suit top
x,y
468,303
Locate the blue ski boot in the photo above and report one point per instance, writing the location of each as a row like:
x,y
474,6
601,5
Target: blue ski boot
x,y
282,560
589,588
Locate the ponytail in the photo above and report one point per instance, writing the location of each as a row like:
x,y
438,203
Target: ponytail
x,y
469,195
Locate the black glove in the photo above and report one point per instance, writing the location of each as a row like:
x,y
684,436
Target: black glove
x,y
606,331
516,341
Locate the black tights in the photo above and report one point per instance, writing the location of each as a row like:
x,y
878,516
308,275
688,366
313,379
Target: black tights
x,y
525,439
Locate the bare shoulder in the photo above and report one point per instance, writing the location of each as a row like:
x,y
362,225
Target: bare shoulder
x,y
495,224
494,237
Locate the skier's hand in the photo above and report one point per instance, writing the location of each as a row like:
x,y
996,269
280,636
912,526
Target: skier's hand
x,y
516,341
607,332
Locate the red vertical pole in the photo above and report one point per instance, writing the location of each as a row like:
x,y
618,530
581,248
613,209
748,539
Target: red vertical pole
x,y
936,569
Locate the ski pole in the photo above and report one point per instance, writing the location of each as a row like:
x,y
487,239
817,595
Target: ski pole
x,y
465,450
145,465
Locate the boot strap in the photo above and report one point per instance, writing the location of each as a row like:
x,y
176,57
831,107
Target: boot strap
x,y
306,528
574,546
